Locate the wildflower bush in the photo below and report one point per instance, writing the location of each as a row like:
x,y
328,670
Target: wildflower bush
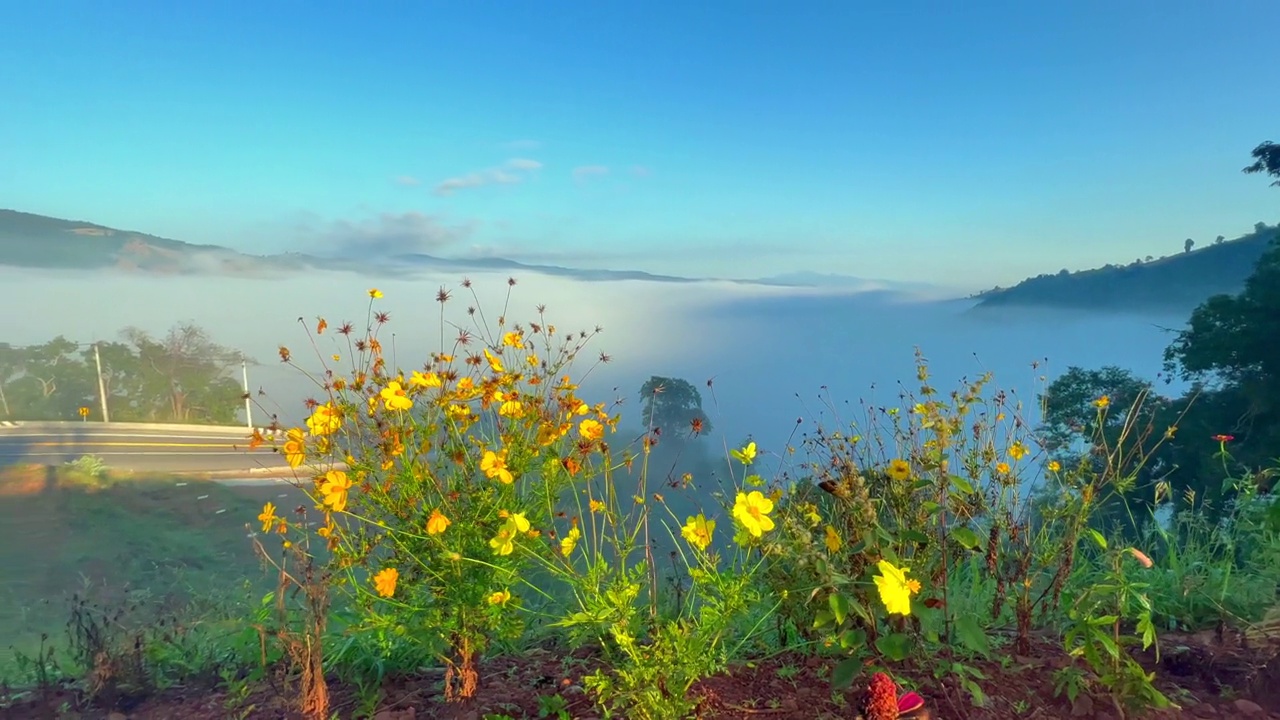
x,y
465,506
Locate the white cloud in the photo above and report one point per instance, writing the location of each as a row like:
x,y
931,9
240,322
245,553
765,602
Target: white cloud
x,y
641,171
585,172
508,174
388,234
523,145
408,180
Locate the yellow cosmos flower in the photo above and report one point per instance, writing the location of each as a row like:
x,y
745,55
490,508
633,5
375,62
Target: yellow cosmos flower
x,y
1103,402
385,581
295,450
500,598
1054,466
513,339
511,409
697,531
324,420
494,362
334,486
395,398
899,469
591,429
375,293
457,412
752,511
832,539
425,380
746,455
596,506
268,516
504,542
437,523
570,541
1002,468
1017,451
494,466
895,589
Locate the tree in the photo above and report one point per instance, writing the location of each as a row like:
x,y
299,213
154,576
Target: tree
x,y
186,376
1186,246
1267,160
1070,414
674,405
1219,240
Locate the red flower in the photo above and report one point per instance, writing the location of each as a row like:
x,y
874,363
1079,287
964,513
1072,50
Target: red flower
x,y
1224,438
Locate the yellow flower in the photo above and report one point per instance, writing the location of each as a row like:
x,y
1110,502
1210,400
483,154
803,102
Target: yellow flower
x,y
570,540
752,511
500,598
895,589
746,455
591,429
324,420
375,293
1017,451
457,412
513,339
504,542
511,408
437,523
427,380
899,469
697,531
494,362
294,448
385,581
832,539
334,486
268,516
494,466
596,506
1102,402
1002,468
1054,466
393,395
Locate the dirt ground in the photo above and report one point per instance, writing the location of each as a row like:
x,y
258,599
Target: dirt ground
x,y
1207,676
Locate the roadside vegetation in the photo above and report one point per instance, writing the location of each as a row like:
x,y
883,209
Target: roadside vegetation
x,y
473,537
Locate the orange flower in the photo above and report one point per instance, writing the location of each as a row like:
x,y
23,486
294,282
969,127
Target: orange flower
x,y
385,581
437,523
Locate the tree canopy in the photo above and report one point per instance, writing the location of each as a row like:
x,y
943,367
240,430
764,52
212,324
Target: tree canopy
x,y
183,376
674,406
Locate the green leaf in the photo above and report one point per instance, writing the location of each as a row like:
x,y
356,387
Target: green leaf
x,y
966,537
853,638
839,606
972,635
962,484
894,647
843,674
1104,620
821,618
1097,537
914,536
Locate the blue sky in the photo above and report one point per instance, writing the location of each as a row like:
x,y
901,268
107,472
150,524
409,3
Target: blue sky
x,y
971,143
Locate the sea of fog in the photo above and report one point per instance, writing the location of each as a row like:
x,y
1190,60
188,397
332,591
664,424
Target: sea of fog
x,y
770,350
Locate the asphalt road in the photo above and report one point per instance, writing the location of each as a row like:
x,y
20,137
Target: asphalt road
x,y
127,446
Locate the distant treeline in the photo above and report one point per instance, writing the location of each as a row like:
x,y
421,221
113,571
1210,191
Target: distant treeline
x,y
183,376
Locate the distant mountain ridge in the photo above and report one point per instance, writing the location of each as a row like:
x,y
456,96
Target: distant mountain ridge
x,y
1175,283
36,241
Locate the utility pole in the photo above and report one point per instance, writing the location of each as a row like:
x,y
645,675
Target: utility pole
x,y
102,385
248,405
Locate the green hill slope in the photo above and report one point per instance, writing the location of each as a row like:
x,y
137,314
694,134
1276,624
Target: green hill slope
x,y
36,241
1176,283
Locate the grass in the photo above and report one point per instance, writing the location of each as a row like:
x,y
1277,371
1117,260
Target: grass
x,y
115,538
